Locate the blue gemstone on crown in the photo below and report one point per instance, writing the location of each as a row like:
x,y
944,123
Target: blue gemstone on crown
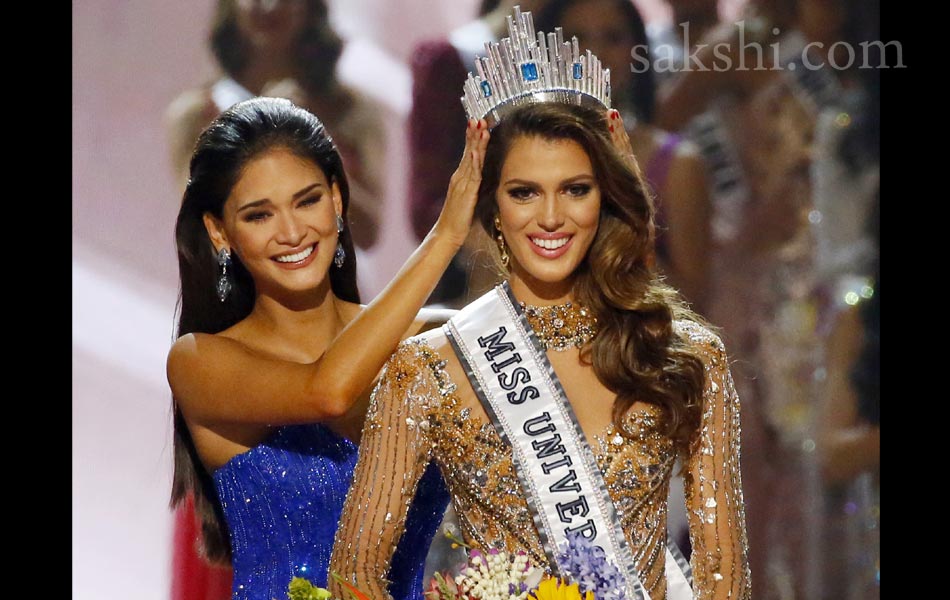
x,y
520,54
529,71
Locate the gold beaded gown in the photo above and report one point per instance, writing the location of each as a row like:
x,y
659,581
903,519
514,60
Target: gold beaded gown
x,y
424,408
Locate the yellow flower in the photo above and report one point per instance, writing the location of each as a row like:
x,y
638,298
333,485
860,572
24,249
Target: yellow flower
x,y
552,588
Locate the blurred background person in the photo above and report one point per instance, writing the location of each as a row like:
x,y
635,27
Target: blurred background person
x,y
287,48
671,41
770,131
826,267
846,223
849,435
755,134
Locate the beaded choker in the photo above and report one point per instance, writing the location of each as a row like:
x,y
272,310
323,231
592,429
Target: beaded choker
x,y
562,326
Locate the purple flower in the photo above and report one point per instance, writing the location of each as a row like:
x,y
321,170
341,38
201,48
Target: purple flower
x,y
587,565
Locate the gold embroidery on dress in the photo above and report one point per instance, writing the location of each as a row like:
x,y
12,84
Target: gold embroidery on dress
x,y
416,416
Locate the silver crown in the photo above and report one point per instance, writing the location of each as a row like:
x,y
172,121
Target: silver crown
x,y
526,68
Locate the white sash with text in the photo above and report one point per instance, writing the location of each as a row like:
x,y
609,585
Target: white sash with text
x,y
564,488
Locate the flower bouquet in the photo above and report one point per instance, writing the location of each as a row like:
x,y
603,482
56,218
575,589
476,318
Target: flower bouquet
x,y
495,575
498,575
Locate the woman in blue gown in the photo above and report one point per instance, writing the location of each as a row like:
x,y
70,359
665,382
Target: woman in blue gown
x,y
275,356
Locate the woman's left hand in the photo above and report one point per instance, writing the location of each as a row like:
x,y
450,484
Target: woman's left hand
x,y
620,138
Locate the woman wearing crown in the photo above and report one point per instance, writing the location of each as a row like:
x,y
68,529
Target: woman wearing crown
x,y
556,404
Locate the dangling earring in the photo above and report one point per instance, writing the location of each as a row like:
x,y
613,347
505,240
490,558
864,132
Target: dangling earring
x,y
500,240
223,286
340,255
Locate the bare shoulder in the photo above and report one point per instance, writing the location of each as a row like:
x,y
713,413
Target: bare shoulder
x,y
185,349
183,359
193,354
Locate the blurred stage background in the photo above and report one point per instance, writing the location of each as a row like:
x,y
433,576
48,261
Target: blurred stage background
x,y
130,60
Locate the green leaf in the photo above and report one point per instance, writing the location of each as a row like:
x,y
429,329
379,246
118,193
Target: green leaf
x,y
301,589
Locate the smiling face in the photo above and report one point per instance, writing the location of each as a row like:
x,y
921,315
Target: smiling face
x,y
549,208
280,220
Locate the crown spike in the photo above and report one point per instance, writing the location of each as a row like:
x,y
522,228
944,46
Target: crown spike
x,y
567,66
512,36
598,74
589,73
544,62
494,59
508,64
528,25
586,78
531,66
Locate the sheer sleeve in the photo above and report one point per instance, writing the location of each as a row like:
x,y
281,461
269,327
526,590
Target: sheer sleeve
x,y
713,485
394,453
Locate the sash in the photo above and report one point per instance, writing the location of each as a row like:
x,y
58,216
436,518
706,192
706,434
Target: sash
x,y
728,188
564,488
815,86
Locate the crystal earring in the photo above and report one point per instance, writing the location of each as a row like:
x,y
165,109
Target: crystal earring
x,y
223,286
340,255
500,240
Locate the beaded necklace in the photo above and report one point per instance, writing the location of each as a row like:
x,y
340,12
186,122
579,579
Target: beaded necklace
x,y
562,326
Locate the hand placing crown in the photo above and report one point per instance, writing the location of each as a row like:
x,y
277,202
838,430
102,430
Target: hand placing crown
x,y
525,68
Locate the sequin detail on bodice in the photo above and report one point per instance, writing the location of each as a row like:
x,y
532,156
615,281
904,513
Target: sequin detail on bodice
x,y
491,507
282,500
418,415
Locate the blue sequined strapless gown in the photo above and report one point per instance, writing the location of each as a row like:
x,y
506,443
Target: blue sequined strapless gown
x,y
282,500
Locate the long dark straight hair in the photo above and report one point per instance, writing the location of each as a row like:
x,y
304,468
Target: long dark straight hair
x,y
237,136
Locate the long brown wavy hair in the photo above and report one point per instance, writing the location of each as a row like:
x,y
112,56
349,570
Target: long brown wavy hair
x,y
241,133
636,353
